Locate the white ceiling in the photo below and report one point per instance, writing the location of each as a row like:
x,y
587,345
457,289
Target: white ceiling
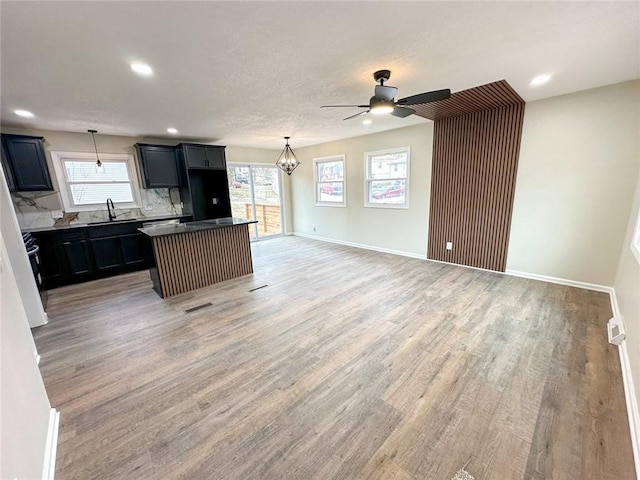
x,y
248,73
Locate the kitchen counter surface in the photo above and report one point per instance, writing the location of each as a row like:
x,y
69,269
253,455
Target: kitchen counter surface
x,y
173,229
95,224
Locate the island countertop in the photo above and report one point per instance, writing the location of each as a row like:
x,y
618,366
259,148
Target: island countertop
x,y
188,227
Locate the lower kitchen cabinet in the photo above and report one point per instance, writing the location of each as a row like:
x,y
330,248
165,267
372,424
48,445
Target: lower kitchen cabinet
x,y
76,253
106,253
136,249
87,253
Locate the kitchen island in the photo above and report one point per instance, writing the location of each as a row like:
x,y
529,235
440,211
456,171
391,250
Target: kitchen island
x,y
193,255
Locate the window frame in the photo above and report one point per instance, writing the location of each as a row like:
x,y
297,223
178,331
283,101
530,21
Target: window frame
x,y
65,190
330,159
367,178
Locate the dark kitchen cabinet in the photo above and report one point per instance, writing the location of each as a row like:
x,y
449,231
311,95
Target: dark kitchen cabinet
x,y
160,166
76,250
27,162
106,253
210,157
89,252
136,249
6,168
51,262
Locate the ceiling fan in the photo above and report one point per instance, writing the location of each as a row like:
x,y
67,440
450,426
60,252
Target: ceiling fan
x,y
383,99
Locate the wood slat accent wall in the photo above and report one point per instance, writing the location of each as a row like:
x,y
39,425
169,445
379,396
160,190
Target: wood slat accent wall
x,y
188,261
475,159
484,97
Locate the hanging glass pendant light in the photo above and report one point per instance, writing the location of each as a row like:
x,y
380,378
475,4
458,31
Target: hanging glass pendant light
x,y
99,165
287,160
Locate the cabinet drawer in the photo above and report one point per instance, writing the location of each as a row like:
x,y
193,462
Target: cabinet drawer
x,y
74,236
114,230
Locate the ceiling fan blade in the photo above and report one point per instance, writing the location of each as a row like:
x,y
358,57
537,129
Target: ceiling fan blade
x,y
428,97
402,111
340,106
356,115
384,92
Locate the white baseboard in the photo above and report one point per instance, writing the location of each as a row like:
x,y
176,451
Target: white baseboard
x,y
362,245
561,281
49,467
629,390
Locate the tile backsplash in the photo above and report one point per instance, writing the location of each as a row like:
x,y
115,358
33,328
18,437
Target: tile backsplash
x,y
34,209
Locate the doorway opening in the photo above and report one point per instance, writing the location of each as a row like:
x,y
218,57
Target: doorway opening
x,y
256,194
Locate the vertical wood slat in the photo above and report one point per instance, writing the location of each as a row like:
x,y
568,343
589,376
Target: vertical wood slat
x,y
193,260
475,159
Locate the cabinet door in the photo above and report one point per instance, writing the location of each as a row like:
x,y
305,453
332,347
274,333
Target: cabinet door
x,y
106,253
77,256
28,162
196,156
6,168
159,166
135,249
51,266
215,158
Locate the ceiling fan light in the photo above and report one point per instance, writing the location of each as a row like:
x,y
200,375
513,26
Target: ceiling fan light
x,y
381,108
287,160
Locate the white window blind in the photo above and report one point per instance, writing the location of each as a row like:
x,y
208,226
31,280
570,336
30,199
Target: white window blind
x,y
82,187
90,188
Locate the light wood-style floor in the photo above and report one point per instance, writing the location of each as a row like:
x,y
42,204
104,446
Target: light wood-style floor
x,y
349,364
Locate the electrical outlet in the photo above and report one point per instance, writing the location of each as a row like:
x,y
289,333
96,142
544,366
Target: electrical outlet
x,y
148,207
449,245
55,214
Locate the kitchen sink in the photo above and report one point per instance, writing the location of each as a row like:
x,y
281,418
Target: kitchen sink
x,y
114,222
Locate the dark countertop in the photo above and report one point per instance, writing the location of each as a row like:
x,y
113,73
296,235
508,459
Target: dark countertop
x,y
95,224
163,230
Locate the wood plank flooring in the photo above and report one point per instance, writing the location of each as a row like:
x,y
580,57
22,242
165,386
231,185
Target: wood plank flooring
x,y
349,364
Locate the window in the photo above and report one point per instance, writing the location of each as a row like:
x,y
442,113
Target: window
x,y
83,188
387,181
330,184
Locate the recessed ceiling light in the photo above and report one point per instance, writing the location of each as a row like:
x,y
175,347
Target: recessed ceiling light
x,y
367,121
172,130
24,113
141,69
540,79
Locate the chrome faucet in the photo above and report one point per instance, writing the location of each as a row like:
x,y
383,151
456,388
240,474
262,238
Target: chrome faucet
x,y
111,209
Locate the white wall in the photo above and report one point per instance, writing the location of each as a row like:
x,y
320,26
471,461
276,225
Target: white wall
x,y
576,176
17,256
393,229
627,287
24,406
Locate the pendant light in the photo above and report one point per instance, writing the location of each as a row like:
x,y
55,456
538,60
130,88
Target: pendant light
x,y
287,160
99,165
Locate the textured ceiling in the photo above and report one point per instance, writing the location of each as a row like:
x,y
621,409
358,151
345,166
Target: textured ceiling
x,y
248,73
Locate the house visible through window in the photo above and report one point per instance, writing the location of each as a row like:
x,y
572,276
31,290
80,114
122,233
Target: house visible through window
x,y
387,182
83,188
330,184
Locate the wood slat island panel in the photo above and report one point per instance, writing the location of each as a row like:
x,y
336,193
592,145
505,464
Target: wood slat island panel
x,y
197,254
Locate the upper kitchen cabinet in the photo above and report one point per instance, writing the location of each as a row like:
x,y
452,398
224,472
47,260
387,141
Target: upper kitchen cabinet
x,y
6,168
160,166
25,163
210,157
